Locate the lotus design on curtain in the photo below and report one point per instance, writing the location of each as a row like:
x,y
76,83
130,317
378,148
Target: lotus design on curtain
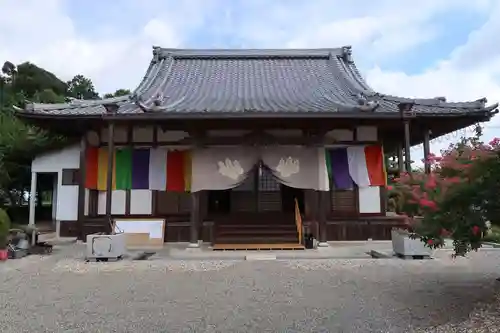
x,y
230,168
288,166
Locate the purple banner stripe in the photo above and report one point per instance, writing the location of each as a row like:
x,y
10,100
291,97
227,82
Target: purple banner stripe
x,y
140,169
340,169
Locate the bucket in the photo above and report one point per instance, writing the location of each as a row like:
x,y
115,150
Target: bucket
x,y
4,254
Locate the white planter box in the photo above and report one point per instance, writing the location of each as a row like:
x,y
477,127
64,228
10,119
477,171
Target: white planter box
x,y
106,246
403,245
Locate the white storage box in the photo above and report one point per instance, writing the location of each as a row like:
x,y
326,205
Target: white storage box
x,y
106,246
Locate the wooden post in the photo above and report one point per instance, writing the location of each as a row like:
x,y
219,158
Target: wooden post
x,y
321,216
128,192
405,111
81,188
110,109
407,146
195,216
401,165
427,151
109,176
194,220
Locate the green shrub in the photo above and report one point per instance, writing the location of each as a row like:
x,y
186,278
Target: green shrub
x,y
4,228
493,235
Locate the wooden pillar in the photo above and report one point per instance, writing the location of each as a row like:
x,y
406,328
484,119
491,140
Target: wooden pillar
x,y
81,188
401,165
128,192
109,176
111,110
407,145
195,217
406,114
194,220
427,151
321,216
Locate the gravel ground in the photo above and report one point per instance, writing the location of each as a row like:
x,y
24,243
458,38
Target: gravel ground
x,y
61,294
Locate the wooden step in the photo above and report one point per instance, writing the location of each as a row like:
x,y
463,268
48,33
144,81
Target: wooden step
x,y
259,226
256,247
241,239
249,232
255,222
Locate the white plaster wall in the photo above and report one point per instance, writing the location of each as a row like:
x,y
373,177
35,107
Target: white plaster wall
x,y
142,134
120,134
93,138
369,199
366,133
54,161
170,136
340,135
141,202
117,202
67,196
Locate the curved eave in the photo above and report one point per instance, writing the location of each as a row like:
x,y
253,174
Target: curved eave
x,y
437,102
480,115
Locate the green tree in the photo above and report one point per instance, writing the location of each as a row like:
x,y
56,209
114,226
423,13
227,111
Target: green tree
x,y
82,88
118,93
20,142
30,79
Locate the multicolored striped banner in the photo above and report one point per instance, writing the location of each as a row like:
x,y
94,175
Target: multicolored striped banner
x,y
360,165
145,168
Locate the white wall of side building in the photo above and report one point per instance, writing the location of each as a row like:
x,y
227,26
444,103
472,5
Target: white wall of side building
x,y
67,195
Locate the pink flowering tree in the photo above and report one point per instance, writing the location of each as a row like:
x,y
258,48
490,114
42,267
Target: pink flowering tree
x,y
457,198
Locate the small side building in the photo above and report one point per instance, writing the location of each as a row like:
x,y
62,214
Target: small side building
x,y
241,138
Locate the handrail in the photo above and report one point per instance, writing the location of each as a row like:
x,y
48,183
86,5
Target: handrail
x,y
298,220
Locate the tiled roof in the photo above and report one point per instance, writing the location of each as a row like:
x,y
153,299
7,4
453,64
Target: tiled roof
x,y
190,82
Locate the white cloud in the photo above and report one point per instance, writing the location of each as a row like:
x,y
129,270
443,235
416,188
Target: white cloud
x,y
52,42
472,71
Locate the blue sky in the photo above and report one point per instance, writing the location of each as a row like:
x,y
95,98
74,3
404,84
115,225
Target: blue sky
x,y
423,48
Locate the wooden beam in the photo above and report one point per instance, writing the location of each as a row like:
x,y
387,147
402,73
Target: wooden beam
x,y
427,151
407,145
401,165
245,141
128,193
194,220
109,179
195,217
322,201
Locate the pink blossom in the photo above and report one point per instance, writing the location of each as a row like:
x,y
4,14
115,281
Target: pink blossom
x,y
475,230
428,203
495,142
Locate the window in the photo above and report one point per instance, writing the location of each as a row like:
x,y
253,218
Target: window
x,y
343,202
269,194
70,176
267,182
